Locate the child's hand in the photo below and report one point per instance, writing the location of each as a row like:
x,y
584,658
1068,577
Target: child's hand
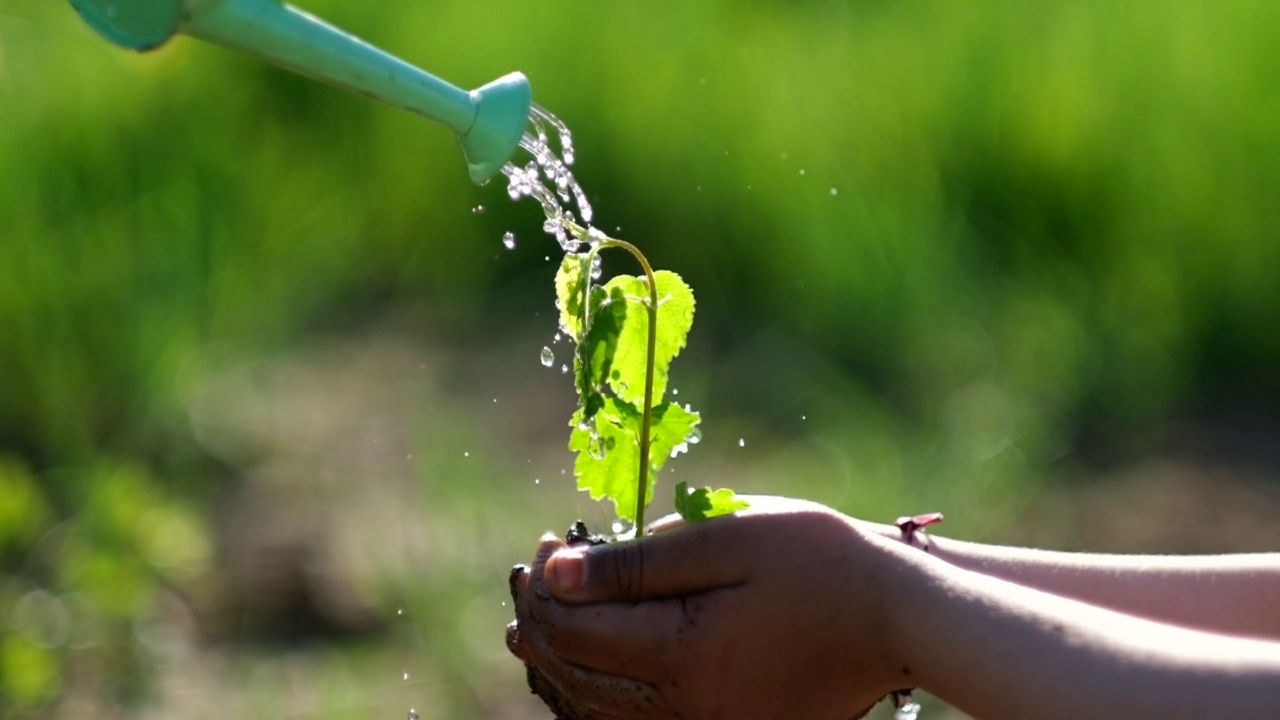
x,y
783,610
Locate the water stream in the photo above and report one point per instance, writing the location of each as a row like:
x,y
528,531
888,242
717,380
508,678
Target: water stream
x,y
547,177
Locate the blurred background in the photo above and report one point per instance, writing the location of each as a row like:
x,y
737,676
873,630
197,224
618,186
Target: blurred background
x,y
273,424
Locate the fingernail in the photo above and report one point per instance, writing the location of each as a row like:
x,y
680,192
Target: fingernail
x,y
566,571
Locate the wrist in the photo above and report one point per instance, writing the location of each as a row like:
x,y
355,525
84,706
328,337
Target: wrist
x,y
899,572
913,578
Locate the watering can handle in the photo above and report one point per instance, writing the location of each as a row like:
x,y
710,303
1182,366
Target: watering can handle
x,y
488,120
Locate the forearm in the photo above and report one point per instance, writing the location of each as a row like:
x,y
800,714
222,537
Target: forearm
x,y
1234,594
1000,650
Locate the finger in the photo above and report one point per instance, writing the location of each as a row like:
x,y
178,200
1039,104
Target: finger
x,y
694,558
643,640
665,523
515,643
517,580
561,706
591,695
579,693
547,546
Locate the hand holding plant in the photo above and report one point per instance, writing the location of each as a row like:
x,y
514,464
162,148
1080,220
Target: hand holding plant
x,y
780,611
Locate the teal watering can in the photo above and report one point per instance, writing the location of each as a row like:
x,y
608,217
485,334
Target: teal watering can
x,y
489,120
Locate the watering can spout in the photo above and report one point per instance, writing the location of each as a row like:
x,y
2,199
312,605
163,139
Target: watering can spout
x,y
489,120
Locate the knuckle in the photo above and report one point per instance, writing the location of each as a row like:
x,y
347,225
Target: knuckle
x,y
624,569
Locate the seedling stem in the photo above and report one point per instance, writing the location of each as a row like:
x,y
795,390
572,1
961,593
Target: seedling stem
x,y
646,419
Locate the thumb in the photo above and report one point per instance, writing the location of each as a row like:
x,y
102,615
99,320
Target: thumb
x,y
681,561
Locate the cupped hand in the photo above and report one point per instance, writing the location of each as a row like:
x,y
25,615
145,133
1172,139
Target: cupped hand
x,y
783,610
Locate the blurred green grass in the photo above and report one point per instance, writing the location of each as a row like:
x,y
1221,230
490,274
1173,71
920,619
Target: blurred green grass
x,y
962,241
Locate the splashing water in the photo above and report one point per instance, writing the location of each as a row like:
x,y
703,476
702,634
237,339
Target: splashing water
x,y
548,179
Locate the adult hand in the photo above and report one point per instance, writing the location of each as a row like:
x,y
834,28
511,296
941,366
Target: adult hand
x,y
783,610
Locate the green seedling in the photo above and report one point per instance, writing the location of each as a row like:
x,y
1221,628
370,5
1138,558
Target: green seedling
x,y
627,331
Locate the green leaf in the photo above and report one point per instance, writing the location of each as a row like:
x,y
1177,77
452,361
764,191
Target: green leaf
x,y
703,503
626,370
569,279
669,428
594,357
608,447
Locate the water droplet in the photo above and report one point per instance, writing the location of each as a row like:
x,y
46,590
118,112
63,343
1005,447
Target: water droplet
x,y
742,442
495,401
466,453
595,446
801,171
548,357
595,268
509,240
675,391
408,456
557,338
477,210
784,156
537,481
804,417
400,611
406,676
910,710
695,437
564,369
834,192
413,715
